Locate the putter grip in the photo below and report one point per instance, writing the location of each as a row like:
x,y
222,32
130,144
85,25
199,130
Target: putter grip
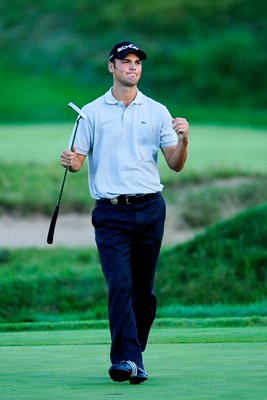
x,y
50,235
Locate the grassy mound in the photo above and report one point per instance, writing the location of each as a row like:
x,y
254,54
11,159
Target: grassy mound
x,y
226,264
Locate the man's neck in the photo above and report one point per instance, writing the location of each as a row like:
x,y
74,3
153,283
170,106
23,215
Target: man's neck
x,y
124,94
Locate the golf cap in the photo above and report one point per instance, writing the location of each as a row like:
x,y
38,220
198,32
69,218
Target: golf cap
x,y
121,49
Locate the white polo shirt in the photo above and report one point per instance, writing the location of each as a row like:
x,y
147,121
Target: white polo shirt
x,y
122,144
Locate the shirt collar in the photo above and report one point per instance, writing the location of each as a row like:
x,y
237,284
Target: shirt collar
x,y
110,99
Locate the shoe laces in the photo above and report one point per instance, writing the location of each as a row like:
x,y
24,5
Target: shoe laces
x,y
133,367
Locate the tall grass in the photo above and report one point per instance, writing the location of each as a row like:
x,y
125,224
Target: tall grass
x,y
213,201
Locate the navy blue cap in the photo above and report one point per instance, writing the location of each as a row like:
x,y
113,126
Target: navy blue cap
x,y
121,49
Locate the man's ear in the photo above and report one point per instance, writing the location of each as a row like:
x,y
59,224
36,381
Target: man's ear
x,y
111,67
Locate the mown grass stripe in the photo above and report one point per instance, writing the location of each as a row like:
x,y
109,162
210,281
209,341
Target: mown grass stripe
x,y
158,335
162,322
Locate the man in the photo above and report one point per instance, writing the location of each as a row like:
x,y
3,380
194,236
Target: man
x,y
121,136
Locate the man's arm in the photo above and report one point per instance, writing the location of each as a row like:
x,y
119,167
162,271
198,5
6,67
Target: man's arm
x,y
175,156
71,160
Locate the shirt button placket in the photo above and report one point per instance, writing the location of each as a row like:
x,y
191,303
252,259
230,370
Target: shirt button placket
x,y
124,118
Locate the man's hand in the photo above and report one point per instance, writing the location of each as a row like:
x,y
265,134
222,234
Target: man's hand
x,y
176,155
67,158
181,127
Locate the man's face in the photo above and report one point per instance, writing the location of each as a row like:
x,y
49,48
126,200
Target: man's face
x,y
127,71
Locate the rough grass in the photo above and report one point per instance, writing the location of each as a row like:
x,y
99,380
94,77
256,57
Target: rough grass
x,y
227,261
210,202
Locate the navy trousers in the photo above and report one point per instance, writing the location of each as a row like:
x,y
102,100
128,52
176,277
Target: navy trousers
x,y
128,237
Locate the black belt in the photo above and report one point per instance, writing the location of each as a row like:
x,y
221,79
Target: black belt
x,y
128,199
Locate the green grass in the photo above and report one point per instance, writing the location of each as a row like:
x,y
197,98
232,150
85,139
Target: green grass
x,y
187,364
68,322
241,148
213,311
39,143
211,148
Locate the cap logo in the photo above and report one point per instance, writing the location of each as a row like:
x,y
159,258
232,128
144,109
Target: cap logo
x,y
129,46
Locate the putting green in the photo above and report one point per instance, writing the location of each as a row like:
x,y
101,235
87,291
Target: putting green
x,y
211,363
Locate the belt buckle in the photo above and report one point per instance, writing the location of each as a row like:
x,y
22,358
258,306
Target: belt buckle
x,y
114,201
127,199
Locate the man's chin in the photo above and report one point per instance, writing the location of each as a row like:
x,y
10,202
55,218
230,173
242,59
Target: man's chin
x,y
132,83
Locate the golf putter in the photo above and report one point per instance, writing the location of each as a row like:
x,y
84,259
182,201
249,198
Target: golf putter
x,y
50,235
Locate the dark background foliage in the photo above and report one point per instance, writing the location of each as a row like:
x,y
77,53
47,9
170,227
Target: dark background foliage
x,y
199,53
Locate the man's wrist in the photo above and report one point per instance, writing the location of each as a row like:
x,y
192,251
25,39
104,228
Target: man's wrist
x,y
71,169
183,141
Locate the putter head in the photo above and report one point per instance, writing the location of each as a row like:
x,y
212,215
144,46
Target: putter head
x,y
77,109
